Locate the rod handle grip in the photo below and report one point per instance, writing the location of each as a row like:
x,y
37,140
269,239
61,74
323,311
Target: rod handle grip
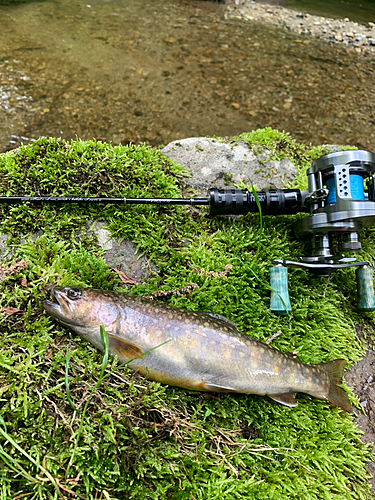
x,y
365,289
280,303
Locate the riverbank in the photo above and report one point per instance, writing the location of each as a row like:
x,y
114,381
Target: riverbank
x,y
358,37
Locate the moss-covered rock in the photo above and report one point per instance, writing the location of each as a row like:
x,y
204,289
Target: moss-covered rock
x,y
139,439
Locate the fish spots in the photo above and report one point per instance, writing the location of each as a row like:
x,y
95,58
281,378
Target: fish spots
x,y
226,356
206,323
170,316
187,321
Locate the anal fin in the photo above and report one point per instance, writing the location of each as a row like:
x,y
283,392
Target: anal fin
x,y
285,398
216,388
123,348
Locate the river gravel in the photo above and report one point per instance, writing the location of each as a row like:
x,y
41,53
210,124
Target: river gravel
x,y
342,31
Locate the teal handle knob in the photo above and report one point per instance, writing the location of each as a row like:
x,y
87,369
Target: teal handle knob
x,y
280,303
365,289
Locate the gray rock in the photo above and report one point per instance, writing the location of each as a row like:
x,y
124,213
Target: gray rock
x,y
214,163
122,255
332,148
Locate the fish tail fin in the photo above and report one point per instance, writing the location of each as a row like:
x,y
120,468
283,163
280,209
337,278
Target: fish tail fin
x,y
336,394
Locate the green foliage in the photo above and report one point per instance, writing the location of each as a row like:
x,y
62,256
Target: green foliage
x,y
132,438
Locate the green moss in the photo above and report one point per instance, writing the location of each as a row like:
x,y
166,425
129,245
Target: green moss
x,y
281,145
141,439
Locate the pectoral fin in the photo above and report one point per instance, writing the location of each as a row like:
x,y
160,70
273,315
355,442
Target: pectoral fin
x,y
287,398
122,348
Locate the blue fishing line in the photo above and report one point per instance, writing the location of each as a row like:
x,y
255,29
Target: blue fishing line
x,y
356,186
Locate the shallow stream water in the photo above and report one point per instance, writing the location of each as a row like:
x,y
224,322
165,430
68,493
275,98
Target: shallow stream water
x,y
157,71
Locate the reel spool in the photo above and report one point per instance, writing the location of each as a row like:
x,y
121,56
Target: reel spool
x,y
341,201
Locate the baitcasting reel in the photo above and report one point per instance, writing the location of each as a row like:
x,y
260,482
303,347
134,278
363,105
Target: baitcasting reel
x,y
340,201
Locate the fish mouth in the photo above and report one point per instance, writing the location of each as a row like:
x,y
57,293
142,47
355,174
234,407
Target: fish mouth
x,y
60,306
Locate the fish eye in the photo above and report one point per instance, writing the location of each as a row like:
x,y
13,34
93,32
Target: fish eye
x,y
74,293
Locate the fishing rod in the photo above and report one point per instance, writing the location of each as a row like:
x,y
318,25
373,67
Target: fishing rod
x,y
220,201
339,202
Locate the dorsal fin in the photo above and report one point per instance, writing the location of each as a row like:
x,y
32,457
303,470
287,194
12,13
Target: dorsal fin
x,y
123,348
221,319
285,398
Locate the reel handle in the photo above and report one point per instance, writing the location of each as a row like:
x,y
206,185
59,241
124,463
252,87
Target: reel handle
x,y
280,302
365,289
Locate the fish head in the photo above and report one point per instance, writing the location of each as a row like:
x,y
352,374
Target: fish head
x,y
82,309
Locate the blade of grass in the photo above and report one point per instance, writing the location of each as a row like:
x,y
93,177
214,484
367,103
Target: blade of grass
x,y
21,450
15,466
104,339
259,243
260,221
6,458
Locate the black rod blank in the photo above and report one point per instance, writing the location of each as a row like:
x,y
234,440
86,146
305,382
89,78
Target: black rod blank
x,y
56,200
220,201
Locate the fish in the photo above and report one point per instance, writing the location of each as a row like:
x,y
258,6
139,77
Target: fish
x,y
197,351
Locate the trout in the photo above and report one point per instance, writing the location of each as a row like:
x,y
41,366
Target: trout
x,y
198,351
